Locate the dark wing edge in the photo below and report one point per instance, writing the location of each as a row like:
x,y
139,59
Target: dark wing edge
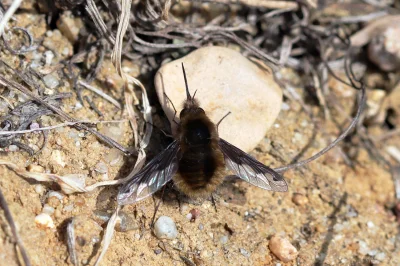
x,y
152,177
251,170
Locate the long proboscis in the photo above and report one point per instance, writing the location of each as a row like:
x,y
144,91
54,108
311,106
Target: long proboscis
x,y
186,84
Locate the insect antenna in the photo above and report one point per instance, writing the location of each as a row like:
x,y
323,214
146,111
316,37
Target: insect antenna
x,y
194,94
186,84
219,122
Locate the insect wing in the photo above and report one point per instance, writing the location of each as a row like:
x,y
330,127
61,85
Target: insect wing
x,y
152,177
251,170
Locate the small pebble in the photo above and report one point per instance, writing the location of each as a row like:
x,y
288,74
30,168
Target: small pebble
x,y
65,51
201,226
48,209
384,49
70,26
13,148
165,228
299,199
380,256
338,227
244,252
48,91
126,222
57,214
55,194
39,189
51,81
59,141
223,240
282,248
78,106
195,213
68,208
79,201
351,212
297,137
49,57
157,251
34,168
285,106
73,134
58,158
34,125
370,224
114,157
44,221
363,248
101,167
22,98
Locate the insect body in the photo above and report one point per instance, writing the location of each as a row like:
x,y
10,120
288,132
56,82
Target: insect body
x,y
196,161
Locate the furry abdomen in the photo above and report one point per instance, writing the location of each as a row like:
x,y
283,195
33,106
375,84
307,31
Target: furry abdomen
x,y
201,164
200,171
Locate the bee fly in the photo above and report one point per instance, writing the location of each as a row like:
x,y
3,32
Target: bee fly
x,y
196,161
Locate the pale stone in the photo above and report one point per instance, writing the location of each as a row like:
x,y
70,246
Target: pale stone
x,y
70,26
282,248
224,81
165,228
44,221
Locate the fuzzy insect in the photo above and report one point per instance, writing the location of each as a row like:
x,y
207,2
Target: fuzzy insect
x,y
196,161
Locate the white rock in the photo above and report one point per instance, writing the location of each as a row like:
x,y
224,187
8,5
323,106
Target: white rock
x,y
39,189
58,158
165,228
101,167
282,248
13,148
380,256
370,224
114,157
49,57
384,49
223,239
363,248
55,194
48,209
44,221
51,81
224,81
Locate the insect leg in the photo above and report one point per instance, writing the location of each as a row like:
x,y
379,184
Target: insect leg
x,y
157,206
213,202
165,133
173,106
